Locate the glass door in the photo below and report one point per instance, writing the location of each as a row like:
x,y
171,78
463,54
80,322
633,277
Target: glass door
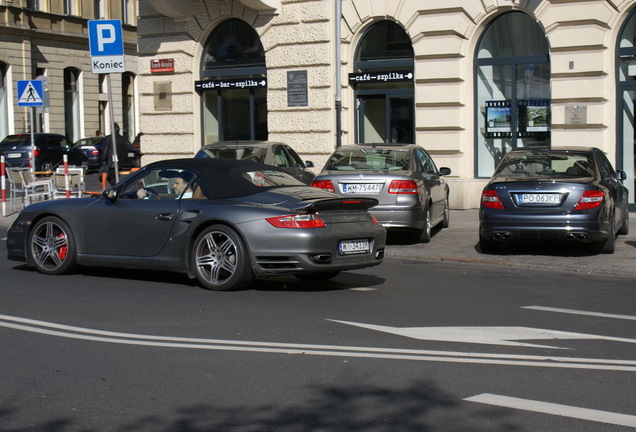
x,y
386,118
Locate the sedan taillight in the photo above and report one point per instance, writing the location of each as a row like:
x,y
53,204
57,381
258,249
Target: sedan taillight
x,y
590,200
403,187
308,220
324,184
490,199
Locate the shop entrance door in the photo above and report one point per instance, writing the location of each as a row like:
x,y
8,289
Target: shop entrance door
x,y
386,117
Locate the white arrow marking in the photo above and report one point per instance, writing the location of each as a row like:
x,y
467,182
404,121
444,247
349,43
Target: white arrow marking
x,y
484,335
578,312
555,409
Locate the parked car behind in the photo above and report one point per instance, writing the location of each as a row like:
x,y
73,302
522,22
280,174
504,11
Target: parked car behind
x,y
411,191
48,152
92,149
269,153
570,193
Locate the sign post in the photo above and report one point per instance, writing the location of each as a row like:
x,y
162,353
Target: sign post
x,y
30,95
106,42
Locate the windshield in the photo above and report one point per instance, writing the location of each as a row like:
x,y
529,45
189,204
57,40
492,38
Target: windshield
x,y
519,165
369,160
255,154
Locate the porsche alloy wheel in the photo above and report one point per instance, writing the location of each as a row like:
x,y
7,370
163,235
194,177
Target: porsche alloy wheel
x,y
51,246
220,259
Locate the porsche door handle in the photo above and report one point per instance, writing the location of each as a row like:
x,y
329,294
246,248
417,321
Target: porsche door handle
x,y
165,216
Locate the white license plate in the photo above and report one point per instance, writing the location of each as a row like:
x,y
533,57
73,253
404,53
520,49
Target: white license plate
x,y
534,198
14,155
355,188
352,247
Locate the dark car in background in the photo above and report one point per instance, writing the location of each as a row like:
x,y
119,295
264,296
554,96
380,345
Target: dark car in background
x,y
270,153
569,193
48,152
411,191
92,149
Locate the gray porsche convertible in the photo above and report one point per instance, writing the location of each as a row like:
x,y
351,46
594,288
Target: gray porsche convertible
x,y
223,222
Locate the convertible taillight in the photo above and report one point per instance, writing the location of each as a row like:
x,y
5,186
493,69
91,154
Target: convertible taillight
x,y
403,187
308,220
590,200
490,199
324,184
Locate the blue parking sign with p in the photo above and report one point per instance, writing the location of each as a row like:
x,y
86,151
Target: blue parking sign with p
x,y
105,38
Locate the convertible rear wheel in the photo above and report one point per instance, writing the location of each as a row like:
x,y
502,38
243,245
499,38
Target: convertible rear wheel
x,y
220,259
51,246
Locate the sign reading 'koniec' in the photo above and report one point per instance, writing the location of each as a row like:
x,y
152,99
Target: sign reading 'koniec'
x,y
106,42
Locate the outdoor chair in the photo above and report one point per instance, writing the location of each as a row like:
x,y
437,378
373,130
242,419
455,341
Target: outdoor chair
x,y
75,181
16,187
35,188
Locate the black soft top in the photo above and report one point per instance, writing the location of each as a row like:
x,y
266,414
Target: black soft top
x,y
223,178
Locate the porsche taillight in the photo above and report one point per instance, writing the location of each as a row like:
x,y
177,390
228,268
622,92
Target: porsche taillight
x,y
403,187
307,220
490,199
590,200
324,184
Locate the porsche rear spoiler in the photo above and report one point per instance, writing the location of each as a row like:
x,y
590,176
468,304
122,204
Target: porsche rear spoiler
x,y
339,204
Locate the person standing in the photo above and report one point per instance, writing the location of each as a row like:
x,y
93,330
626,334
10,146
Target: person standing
x,y
107,168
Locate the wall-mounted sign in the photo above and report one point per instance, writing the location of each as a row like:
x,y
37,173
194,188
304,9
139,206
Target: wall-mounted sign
x,y
533,118
161,65
297,89
576,114
377,77
241,83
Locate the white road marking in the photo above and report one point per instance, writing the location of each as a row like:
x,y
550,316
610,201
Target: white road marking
x,y
484,335
79,333
578,312
555,409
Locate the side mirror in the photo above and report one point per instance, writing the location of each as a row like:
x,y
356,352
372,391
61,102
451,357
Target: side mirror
x,y
621,175
444,171
110,193
309,164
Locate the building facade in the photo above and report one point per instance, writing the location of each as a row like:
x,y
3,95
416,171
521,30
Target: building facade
x,y
466,79
48,40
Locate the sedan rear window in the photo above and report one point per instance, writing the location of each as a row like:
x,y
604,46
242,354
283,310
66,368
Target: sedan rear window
x,y
369,160
255,154
552,165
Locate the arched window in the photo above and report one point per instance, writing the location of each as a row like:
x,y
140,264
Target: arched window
x,y
626,71
72,117
513,89
234,93
383,81
4,106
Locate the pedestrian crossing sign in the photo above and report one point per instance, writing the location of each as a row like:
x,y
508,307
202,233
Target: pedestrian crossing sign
x,y
30,93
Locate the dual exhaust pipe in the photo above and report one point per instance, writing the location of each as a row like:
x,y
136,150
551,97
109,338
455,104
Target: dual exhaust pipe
x,y
504,235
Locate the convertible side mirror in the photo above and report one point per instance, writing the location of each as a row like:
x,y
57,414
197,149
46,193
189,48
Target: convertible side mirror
x,y
110,193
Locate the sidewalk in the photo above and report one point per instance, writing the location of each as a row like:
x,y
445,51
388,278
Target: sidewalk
x,y
459,243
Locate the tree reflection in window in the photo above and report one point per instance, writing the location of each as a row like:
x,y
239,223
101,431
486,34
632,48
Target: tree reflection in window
x,y
233,43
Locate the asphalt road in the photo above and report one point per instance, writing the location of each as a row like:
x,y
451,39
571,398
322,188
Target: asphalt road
x,y
411,345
